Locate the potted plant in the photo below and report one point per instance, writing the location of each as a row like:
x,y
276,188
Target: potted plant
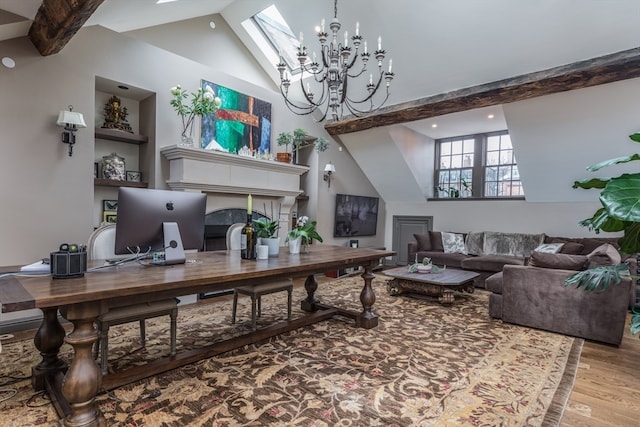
x,y
620,211
267,232
426,266
299,139
286,139
302,234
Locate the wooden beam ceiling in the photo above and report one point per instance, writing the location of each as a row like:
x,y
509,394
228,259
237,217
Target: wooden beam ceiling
x,y
57,21
605,69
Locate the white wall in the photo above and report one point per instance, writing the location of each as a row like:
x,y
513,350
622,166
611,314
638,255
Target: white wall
x,y
48,197
556,137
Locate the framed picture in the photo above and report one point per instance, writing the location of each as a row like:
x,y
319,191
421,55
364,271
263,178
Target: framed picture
x,y
95,170
110,217
110,205
134,176
242,121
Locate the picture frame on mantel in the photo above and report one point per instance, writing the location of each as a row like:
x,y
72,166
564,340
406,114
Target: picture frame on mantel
x,y
241,121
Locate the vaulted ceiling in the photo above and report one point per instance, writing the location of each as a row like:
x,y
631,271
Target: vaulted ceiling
x,y
438,47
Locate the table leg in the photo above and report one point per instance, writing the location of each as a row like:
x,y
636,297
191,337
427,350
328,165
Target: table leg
x,y
48,340
311,285
83,379
367,319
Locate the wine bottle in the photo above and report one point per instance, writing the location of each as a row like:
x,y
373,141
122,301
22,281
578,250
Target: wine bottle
x,y
248,240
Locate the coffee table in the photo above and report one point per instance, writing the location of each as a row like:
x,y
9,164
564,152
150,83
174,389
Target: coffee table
x,y
442,284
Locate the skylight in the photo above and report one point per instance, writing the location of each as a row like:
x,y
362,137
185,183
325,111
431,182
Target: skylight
x,y
276,30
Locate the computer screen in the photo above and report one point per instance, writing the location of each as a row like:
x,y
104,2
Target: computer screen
x,y
142,213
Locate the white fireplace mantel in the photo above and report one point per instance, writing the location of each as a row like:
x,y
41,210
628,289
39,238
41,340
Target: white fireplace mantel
x,y
220,172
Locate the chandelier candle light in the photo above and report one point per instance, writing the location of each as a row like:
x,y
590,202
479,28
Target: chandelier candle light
x,y
339,66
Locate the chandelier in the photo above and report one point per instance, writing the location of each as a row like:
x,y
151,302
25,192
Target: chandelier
x,y
335,74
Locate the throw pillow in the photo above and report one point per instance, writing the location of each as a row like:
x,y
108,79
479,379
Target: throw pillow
x,y
550,248
558,261
424,241
453,243
605,254
572,248
510,244
436,241
474,242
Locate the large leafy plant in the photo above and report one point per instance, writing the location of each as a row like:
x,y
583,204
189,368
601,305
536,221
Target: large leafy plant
x,y
620,199
620,211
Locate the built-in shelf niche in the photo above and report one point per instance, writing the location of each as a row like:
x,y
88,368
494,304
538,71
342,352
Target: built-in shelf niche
x,y
137,148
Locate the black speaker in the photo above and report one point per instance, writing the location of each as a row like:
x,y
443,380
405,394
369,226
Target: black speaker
x,y
70,261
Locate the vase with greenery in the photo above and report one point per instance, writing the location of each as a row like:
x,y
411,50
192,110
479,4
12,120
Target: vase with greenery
x,y
620,212
203,101
267,232
426,266
304,232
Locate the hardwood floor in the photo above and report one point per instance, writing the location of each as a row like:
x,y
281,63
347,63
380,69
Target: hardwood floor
x,y
606,392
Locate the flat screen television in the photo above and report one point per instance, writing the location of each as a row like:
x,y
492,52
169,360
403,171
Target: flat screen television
x,y
160,220
355,216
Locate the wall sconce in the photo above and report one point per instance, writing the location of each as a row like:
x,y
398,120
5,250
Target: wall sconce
x,y
328,170
71,121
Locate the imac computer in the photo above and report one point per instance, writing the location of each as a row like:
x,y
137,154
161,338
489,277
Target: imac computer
x,y
161,221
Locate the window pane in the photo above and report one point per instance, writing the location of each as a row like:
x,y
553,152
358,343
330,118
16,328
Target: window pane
x,y
445,148
493,143
456,162
469,145
493,158
456,147
279,34
506,157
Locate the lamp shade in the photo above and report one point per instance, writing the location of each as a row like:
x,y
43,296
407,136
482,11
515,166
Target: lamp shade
x,y
66,118
329,167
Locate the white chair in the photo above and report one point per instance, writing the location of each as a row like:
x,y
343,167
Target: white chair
x,y
101,245
234,233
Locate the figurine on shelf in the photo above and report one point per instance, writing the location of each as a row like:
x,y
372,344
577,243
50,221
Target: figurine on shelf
x,y
115,116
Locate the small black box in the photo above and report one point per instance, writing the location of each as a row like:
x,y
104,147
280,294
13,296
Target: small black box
x,y
70,261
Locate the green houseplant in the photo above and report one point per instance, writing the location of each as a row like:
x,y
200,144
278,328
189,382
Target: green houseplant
x,y
299,139
303,234
620,211
266,228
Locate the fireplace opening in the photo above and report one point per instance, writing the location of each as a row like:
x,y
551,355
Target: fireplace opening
x,y
216,224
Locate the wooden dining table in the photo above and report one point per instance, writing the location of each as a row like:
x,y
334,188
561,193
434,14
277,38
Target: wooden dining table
x,y
74,386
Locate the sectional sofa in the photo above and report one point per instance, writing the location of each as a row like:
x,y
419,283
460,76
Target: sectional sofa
x,y
527,285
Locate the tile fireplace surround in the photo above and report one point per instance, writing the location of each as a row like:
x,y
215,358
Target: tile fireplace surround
x,y
228,179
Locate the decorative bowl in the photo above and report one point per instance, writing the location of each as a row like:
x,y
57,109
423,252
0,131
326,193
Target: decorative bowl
x,y
424,268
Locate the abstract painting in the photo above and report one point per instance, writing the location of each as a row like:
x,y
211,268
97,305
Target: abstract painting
x,y
242,120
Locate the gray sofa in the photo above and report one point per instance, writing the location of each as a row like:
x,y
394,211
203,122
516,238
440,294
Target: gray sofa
x,y
536,297
487,252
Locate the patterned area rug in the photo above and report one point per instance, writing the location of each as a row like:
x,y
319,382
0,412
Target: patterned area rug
x,y
424,365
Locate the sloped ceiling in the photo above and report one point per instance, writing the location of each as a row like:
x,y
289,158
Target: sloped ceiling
x,y
436,46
